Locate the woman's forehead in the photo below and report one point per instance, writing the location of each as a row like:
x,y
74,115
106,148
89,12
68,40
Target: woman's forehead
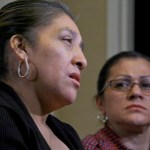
x,y
128,66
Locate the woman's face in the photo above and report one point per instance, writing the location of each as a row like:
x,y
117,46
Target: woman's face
x,y
58,60
133,106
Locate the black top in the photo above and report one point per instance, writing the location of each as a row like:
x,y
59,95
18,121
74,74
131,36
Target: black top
x,y
18,130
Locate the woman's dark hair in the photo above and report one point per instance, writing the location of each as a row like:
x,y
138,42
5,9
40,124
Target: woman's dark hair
x,y
25,17
105,71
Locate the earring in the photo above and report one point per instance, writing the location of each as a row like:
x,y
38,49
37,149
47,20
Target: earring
x,y
27,68
102,118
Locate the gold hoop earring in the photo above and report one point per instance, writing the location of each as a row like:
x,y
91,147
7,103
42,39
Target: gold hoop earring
x,y
27,68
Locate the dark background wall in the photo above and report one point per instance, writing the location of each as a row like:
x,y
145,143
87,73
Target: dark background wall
x,y
142,27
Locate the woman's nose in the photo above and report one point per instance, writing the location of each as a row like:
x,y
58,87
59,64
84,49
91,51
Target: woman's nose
x,y
136,87
80,60
135,91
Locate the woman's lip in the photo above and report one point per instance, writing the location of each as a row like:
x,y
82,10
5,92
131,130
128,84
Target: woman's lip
x,y
76,78
135,106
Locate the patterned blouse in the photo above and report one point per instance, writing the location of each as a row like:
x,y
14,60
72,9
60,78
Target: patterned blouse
x,y
104,139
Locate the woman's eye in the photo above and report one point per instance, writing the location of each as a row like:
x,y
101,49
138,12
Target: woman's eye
x,y
67,40
145,85
120,84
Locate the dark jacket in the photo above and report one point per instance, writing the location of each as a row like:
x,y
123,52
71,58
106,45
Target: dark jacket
x,y
18,130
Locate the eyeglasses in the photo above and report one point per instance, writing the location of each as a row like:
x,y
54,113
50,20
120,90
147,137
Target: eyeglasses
x,y
125,84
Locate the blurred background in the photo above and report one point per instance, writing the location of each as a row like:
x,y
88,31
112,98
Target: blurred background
x,y
107,27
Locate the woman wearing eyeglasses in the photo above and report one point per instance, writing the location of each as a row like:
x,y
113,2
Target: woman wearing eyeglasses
x,y
123,98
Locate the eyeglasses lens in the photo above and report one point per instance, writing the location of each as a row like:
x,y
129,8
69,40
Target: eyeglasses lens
x,y
126,84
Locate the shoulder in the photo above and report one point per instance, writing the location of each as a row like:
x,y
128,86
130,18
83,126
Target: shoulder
x,y
18,133
12,108
90,142
93,141
13,123
105,138
10,130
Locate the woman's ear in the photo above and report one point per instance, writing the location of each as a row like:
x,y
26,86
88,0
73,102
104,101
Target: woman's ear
x,y
101,104
18,45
